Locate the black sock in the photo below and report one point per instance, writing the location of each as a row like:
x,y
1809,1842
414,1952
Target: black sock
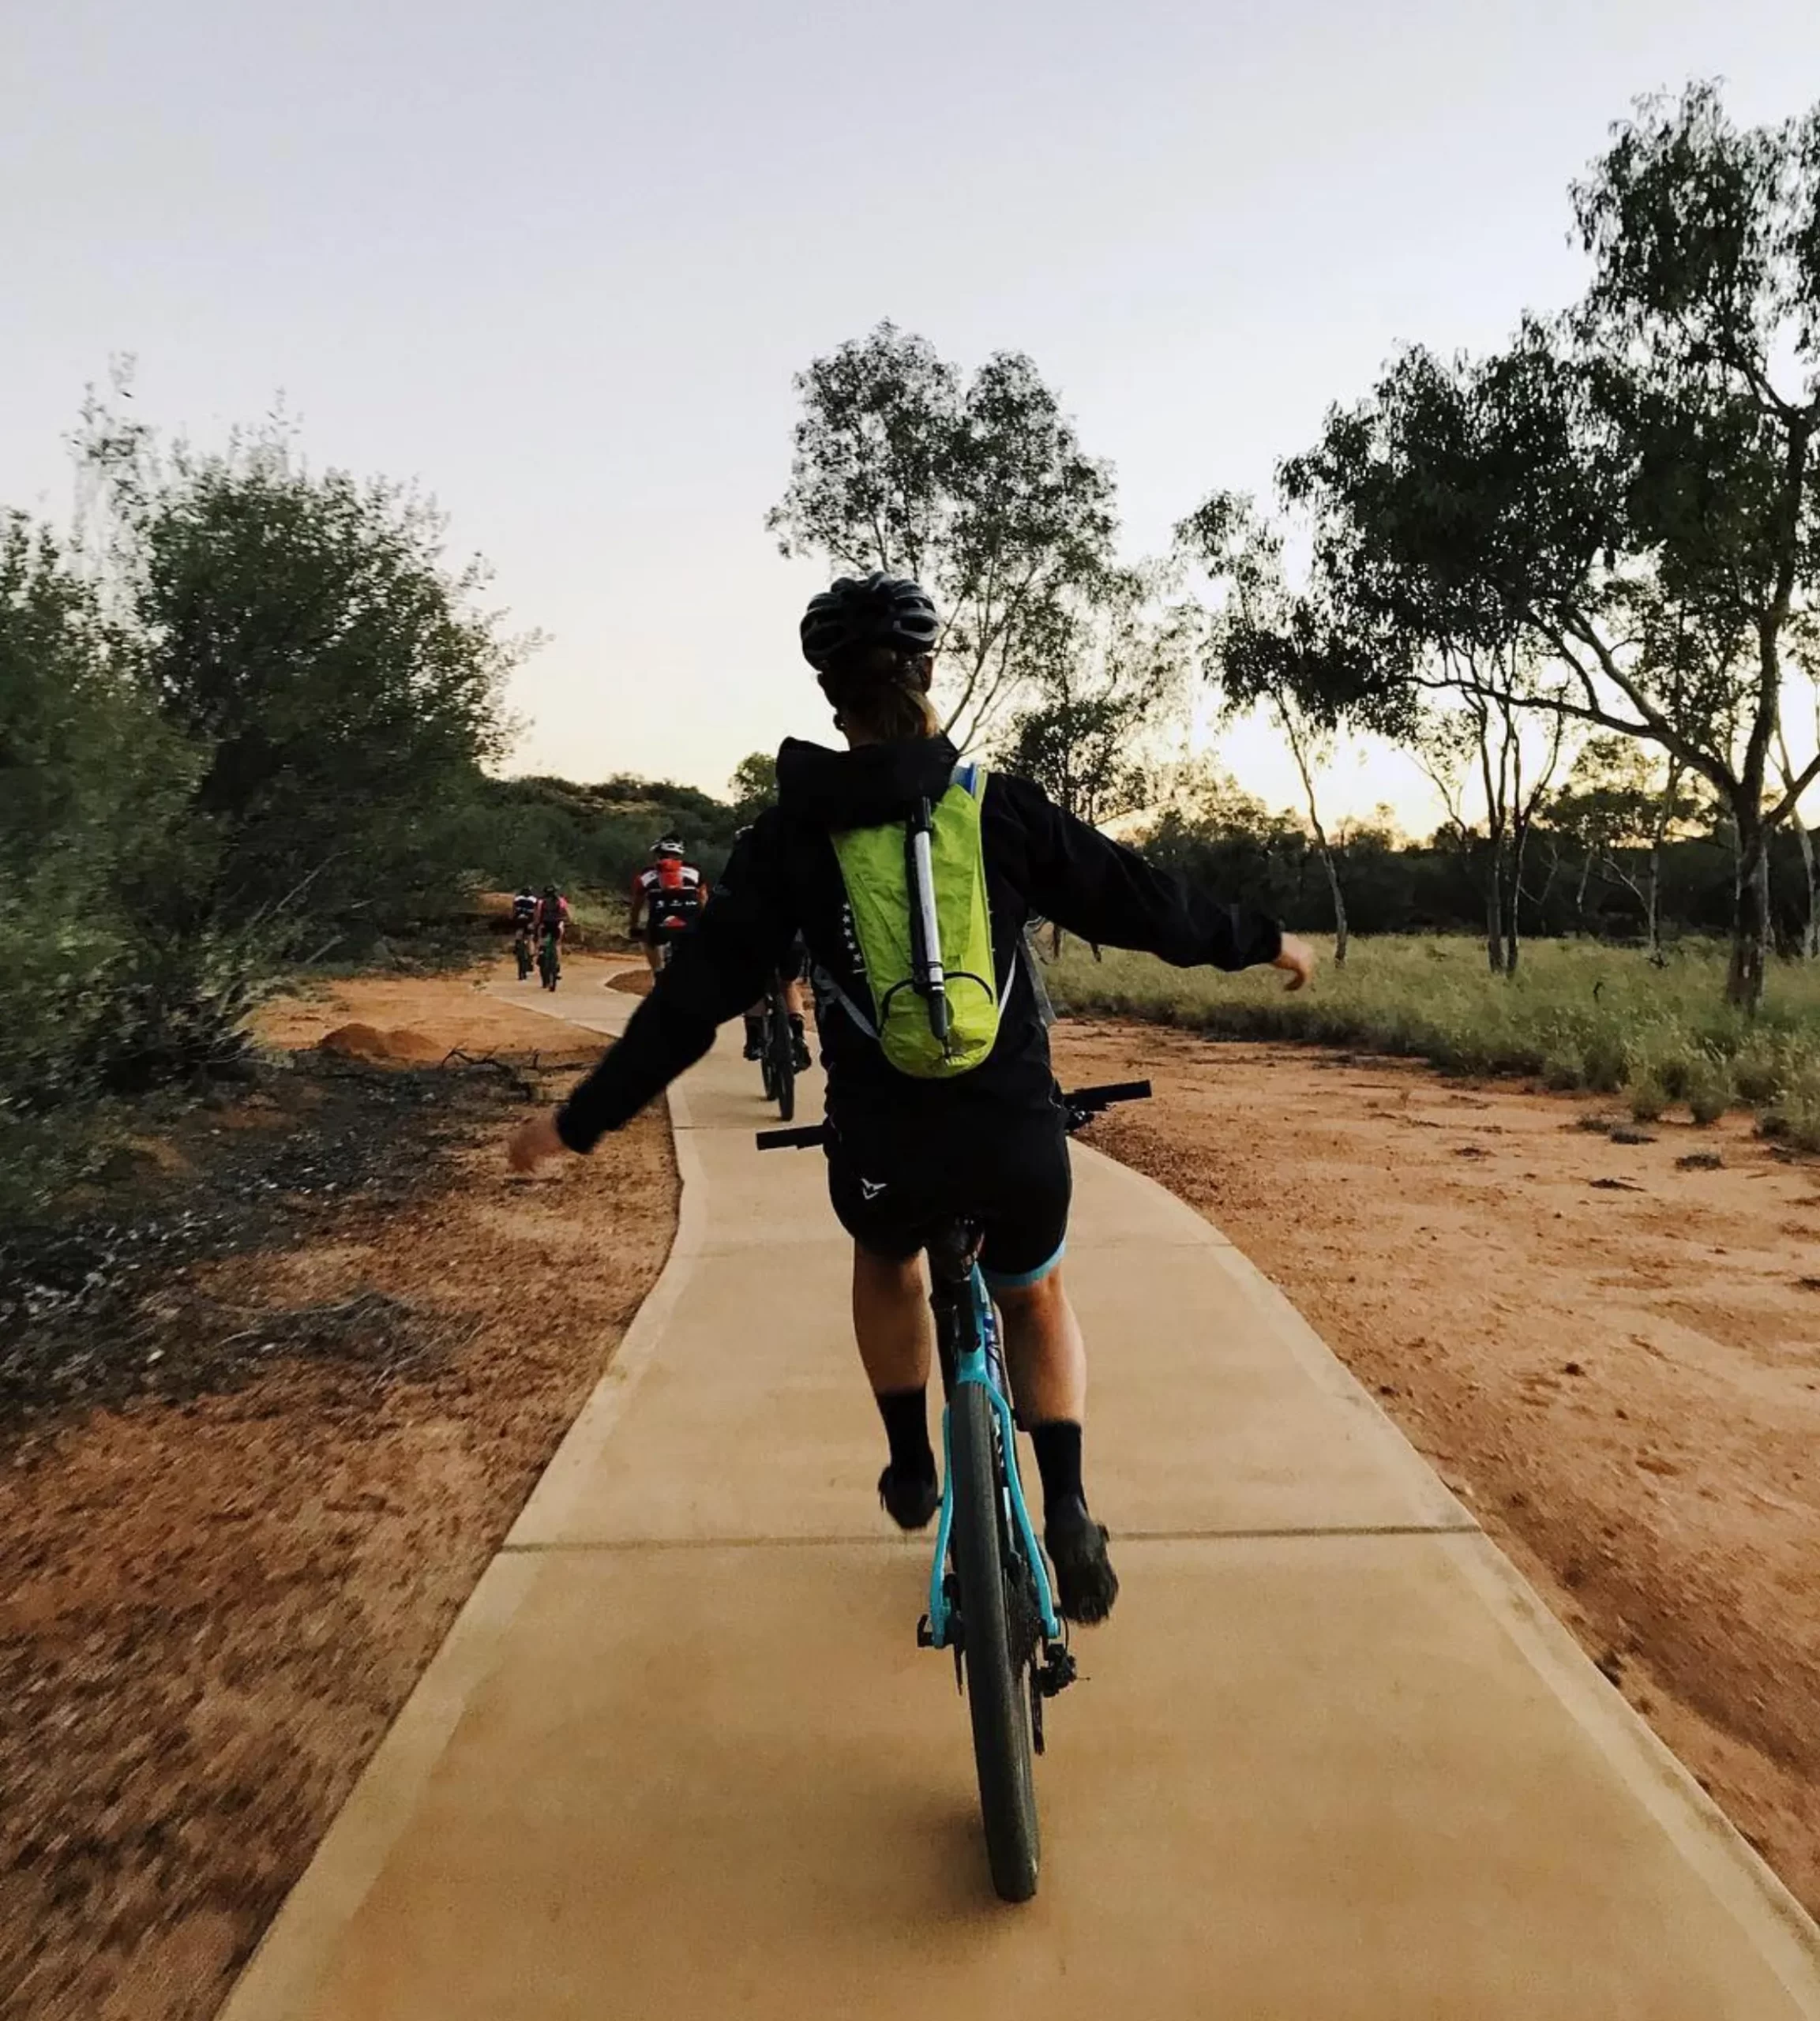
x,y
1057,1445
796,1026
907,1425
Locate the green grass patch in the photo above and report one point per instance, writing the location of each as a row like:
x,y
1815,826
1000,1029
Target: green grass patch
x,y
1577,1015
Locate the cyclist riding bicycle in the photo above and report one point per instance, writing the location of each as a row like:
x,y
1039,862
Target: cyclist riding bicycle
x,y
794,974
669,894
524,924
922,1133
551,915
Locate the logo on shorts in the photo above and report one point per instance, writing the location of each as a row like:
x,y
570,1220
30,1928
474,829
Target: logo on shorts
x,y
871,1188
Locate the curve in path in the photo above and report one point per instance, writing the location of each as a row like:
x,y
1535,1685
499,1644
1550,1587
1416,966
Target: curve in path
x,y
1331,1761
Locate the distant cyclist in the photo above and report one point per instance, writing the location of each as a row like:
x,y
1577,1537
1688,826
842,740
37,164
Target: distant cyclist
x,y
667,898
794,975
524,927
551,916
923,1132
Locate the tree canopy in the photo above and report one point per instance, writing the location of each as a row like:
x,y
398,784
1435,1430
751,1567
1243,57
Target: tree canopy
x,y
1613,520
977,487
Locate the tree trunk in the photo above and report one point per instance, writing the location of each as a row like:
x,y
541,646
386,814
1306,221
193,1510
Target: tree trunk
x,y
1811,931
1658,837
1493,911
1340,932
1750,913
1305,765
1580,893
1653,902
1804,836
1513,898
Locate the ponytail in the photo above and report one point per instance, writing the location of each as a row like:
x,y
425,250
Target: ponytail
x,y
884,694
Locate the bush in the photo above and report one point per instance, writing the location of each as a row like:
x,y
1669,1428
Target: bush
x,y
92,789
253,731
1649,1098
1794,1118
1708,1091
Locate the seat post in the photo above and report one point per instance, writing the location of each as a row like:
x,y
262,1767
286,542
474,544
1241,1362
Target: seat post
x,y
951,1249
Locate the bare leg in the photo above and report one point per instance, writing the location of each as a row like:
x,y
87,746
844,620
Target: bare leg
x,y
650,956
1044,1348
891,1320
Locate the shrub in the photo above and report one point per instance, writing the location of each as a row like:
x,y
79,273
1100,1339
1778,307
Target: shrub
x,y
1708,1091
1795,1119
1649,1098
1607,1061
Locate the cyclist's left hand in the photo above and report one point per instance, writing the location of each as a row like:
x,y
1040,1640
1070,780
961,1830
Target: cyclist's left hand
x,y
1297,958
532,1142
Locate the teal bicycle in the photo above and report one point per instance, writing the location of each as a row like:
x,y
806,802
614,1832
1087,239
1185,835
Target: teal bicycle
x,y
990,1600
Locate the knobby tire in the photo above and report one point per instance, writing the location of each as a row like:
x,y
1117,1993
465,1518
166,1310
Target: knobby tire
x,y
782,1048
998,1698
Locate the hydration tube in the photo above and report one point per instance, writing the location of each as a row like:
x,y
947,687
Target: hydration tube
x,y
927,977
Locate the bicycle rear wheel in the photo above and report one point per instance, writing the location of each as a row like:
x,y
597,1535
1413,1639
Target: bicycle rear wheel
x,y
998,1643
780,1048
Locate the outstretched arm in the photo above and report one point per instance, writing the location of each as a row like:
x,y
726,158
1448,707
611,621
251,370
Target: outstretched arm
x,y
1108,894
713,975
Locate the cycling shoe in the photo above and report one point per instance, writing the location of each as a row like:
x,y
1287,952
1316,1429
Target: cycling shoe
x,y
1086,1584
909,1500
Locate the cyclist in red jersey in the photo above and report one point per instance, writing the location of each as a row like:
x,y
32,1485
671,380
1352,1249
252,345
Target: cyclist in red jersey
x,y
667,897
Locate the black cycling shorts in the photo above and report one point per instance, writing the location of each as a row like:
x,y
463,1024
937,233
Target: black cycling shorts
x,y
891,1186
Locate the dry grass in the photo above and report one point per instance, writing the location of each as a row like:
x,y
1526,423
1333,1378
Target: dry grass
x,y
1577,1015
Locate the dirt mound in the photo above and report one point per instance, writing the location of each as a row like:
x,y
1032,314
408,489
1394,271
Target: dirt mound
x,y
383,1048
635,982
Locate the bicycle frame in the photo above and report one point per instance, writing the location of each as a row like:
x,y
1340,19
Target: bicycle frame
x,y
980,1361
967,1336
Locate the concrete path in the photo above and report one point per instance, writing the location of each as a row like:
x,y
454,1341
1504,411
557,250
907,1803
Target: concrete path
x,y
1331,1761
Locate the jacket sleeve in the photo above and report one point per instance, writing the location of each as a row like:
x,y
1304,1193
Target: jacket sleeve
x,y
717,972
1107,893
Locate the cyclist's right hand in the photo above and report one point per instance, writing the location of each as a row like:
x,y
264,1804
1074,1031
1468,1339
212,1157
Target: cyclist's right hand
x,y
1297,958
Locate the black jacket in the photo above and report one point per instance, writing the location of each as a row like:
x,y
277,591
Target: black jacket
x,y
784,877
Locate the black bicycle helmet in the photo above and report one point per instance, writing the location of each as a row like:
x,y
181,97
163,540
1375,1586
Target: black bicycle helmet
x,y
869,610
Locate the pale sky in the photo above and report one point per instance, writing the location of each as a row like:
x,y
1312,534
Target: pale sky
x,y
559,260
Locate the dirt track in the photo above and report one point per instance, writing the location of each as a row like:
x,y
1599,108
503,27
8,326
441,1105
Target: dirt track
x,y
221,1594
221,1597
